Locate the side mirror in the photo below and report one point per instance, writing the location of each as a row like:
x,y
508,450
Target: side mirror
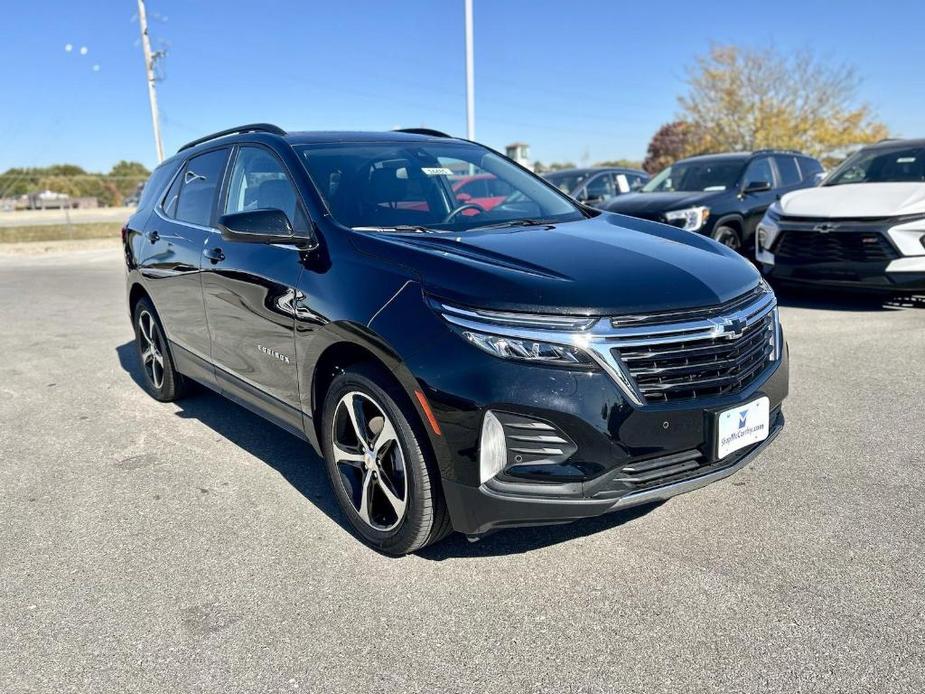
x,y
261,226
463,197
756,187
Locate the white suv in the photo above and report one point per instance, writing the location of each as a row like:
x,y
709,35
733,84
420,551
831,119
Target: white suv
x,y
864,226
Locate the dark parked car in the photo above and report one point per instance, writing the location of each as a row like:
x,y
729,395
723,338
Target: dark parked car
x,y
722,196
533,363
599,185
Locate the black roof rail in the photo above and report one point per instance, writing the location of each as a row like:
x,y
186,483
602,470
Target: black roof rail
x,y
430,132
250,128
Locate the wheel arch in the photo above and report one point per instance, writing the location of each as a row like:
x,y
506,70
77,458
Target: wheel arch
x,y
135,293
734,220
344,350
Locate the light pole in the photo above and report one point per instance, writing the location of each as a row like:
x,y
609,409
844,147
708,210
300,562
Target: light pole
x,y
470,78
149,74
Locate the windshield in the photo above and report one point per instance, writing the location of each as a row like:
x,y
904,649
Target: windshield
x,y
881,166
451,186
697,176
568,181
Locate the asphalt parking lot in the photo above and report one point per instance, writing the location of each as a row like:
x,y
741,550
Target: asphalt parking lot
x,y
148,547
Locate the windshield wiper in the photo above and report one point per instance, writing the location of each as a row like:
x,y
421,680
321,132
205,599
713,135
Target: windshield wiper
x,y
397,227
517,223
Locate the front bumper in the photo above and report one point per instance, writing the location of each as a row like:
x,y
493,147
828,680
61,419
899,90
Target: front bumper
x,y
597,446
641,460
494,506
894,264
866,276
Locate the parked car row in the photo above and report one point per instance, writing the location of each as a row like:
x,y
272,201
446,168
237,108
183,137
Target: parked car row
x,y
863,226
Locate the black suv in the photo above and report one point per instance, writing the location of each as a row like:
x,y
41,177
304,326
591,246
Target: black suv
x,y
455,366
723,196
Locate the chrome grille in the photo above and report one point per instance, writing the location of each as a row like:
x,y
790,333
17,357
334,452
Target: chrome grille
x,y
834,247
718,351
698,368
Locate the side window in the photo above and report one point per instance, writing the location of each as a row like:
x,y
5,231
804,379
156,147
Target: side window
x,y
599,187
788,170
759,170
260,182
199,183
810,168
169,203
155,184
636,182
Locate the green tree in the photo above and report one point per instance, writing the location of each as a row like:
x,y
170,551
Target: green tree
x,y
108,189
745,99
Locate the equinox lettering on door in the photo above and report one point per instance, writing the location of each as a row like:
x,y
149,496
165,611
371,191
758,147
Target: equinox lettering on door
x,y
273,353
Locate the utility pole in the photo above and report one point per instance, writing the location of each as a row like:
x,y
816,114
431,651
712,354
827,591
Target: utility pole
x,y
149,73
470,78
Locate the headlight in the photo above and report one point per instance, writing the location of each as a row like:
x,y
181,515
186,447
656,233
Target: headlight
x,y
526,349
768,227
690,219
536,338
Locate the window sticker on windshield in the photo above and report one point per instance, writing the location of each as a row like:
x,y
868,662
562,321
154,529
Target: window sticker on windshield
x,y
622,184
436,171
905,160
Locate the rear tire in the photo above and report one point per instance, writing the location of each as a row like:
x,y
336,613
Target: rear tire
x,y
162,381
376,456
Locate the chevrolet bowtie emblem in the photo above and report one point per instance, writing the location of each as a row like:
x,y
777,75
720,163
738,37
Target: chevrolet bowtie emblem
x,y
733,328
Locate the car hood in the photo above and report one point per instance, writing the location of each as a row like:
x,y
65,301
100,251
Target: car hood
x,y
645,204
856,200
605,265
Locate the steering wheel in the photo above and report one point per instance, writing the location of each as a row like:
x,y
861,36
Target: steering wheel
x,y
465,206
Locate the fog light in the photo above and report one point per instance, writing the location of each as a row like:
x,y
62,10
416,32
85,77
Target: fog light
x,y
492,448
762,237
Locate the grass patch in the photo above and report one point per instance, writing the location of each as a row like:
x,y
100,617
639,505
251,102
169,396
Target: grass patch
x,y
60,232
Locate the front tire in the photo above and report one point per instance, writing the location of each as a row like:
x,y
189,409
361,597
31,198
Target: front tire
x,y
374,452
162,381
728,237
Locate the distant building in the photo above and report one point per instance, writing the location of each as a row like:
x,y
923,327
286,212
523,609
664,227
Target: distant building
x,y
519,152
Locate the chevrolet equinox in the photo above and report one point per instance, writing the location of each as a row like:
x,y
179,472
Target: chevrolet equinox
x,y
457,366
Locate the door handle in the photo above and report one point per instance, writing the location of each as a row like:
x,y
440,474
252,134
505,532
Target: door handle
x,y
215,255
153,236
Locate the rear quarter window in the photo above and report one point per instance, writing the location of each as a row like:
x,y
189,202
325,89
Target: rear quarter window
x,y
154,186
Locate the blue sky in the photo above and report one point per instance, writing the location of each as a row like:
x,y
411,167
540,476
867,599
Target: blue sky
x,y
581,81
